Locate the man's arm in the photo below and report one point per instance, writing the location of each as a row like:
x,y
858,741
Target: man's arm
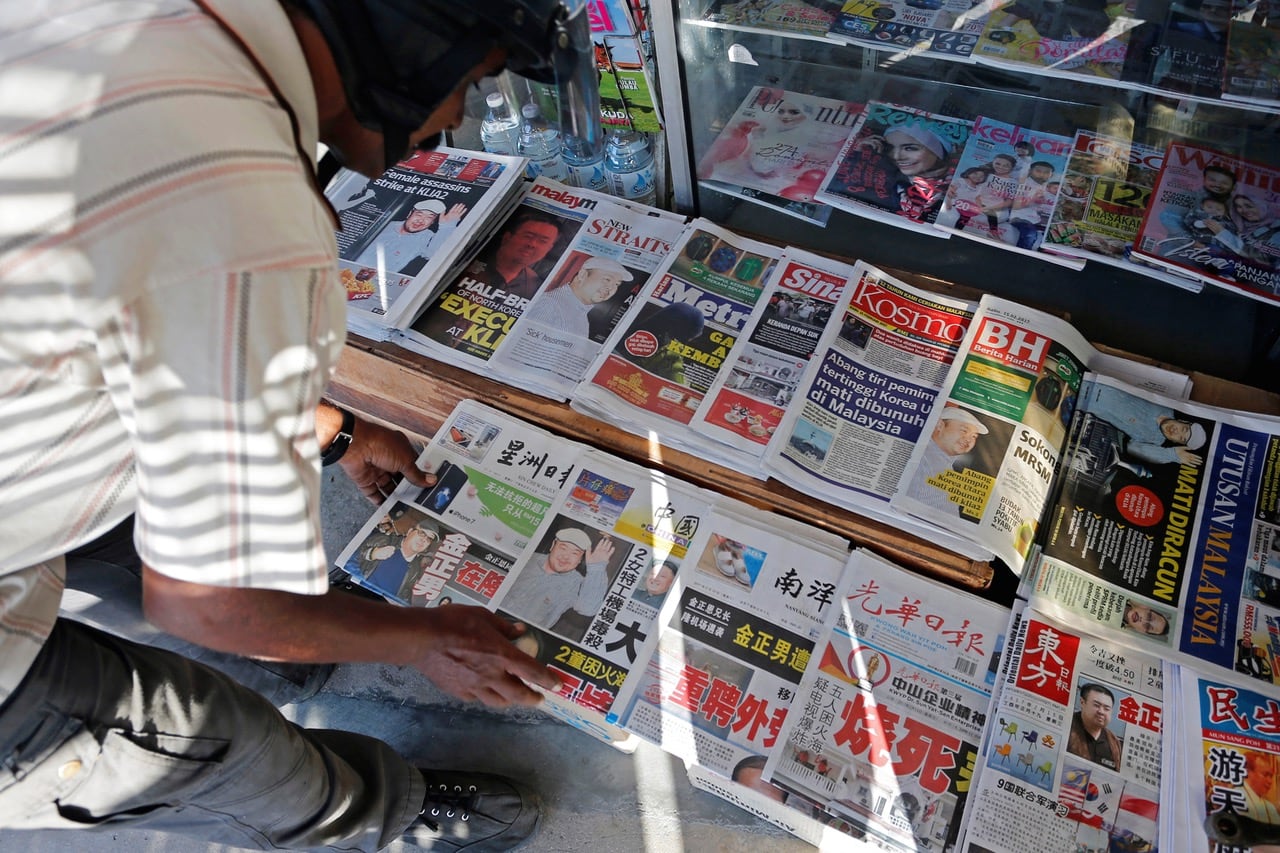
x,y
465,651
377,458
596,583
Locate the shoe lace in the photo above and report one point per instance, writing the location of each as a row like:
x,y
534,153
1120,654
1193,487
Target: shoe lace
x,y
454,801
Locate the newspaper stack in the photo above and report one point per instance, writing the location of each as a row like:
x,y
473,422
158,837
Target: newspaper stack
x,y
404,232
1220,784
862,401
885,728
535,305
735,637
653,374
1071,758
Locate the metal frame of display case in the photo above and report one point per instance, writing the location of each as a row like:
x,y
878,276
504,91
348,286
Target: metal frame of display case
x,y
705,72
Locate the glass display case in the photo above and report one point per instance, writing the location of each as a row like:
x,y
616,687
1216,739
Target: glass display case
x,y
706,70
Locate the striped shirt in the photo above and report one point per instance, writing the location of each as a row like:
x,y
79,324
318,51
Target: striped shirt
x,y
169,306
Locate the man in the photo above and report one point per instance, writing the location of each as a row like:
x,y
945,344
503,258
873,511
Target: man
x,y
656,583
1090,738
565,308
552,584
408,247
750,772
955,434
1259,779
1216,182
1155,435
1143,619
393,562
520,248
169,315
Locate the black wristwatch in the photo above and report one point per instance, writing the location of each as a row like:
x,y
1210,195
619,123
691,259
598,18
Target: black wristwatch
x,y
341,441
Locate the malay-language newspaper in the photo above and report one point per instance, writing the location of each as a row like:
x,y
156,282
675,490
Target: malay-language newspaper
x,y
652,375
1223,743
1071,757
1217,217
1005,186
1087,41
776,147
985,462
1101,201
861,403
942,29
896,165
885,729
1165,531
749,399
734,638
573,260
403,232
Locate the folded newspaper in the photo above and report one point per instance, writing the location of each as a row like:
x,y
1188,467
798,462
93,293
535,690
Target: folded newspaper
x,y
886,726
989,452
403,232
535,305
653,373
1071,758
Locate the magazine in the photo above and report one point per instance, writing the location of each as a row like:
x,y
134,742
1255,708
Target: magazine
x,y
943,29
1084,40
1071,758
886,725
635,82
896,165
734,638
653,373
1165,531
1183,49
1226,745
539,298
1217,217
779,143
1001,420
794,18
1252,67
403,231
1100,204
861,402
1006,183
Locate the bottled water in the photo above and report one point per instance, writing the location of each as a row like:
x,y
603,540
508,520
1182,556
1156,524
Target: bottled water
x,y
584,163
500,130
628,166
541,144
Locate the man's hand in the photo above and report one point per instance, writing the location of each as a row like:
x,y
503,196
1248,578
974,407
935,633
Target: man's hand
x,y
602,551
453,214
466,651
378,458
1186,457
469,654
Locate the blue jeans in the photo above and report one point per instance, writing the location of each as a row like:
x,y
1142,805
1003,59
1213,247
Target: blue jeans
x,y
108,734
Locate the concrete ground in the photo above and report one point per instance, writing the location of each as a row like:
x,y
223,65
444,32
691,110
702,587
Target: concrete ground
x,y
595,797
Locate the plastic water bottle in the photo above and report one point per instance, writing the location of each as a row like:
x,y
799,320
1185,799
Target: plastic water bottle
x,y
500,130
584,163
541,144
628,166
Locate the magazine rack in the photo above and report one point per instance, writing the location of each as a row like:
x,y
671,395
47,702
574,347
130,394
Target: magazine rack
x,y
705,72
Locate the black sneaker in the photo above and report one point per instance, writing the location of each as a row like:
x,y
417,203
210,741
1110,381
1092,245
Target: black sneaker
x,y
475,812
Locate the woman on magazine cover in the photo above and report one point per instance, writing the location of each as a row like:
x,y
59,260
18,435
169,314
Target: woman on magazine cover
x,y
906,170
